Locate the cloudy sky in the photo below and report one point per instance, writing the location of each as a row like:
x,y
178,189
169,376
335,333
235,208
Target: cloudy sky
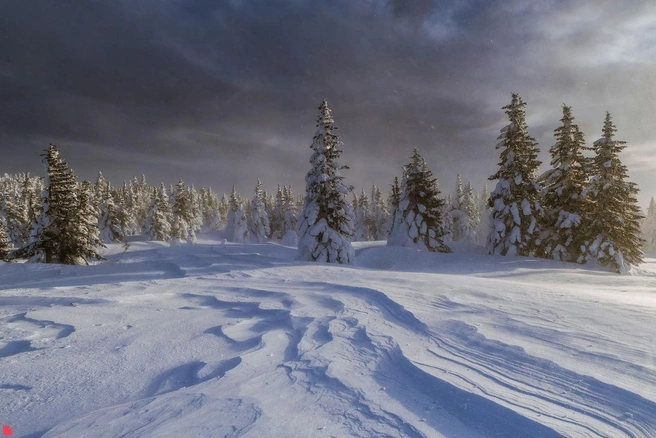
x,y
221,92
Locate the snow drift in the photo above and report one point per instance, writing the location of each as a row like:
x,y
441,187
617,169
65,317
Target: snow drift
x,y
242,340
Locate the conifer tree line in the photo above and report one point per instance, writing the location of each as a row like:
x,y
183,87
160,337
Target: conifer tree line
x,y
582,209
57,219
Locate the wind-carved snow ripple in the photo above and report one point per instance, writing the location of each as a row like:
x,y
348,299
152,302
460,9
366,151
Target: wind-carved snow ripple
x,y
187,375
333,356
380,358
609,361
37,326
389,309
307,365
627,413
64,329
414,387
264,320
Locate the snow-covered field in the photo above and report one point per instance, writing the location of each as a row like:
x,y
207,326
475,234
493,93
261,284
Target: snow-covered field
x,y
219,340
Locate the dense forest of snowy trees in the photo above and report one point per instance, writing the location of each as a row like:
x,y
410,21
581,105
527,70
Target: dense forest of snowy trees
x,y
583,209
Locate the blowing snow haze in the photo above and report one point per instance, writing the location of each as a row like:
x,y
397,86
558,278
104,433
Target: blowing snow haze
x,y
223,92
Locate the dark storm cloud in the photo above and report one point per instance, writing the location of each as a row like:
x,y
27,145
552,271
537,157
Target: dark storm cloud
x,y
223,92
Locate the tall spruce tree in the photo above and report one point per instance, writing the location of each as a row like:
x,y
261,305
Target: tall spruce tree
x,y
613,238
87,237
138,203
5,245
126,219
15,215
393,199
196,217
649,228
182,216
485,214
209,209
237,223
158,219
109,221
447,220
275,220
258,220
62,232
515,201
471,215
289,218
458,211
418,216
224,207
269,202
380,215
326,223
363,218
30,197
566,210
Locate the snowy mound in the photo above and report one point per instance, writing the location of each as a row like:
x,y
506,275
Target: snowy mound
x,y
213,340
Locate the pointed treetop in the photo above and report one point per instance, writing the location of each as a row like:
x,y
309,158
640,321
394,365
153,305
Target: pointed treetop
x,y
609,128
325,117
516,101
568,117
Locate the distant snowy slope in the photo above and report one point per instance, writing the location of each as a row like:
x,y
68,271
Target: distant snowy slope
x,y
243,340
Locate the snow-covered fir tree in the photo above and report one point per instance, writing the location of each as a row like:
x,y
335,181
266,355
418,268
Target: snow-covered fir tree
x,y
275,219
363,218
258,220
224,207
269,202
125,210
649,228
30,199
14,215
285,215
565,207
158,219
326,222
17,205
485,215
237,223
471,218
286,211
109,222
379,215
62,233
613,236
447,220
87,238
209,210
138,203
182,216
418,217
289,218
196,219
458,211
393,199
101,188
5,245
517,213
